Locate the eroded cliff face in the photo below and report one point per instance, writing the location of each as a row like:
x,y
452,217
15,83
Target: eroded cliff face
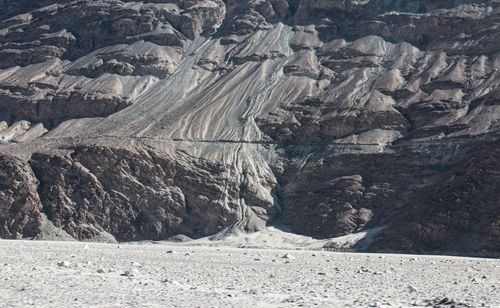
x,y
20,205
133,195
156,118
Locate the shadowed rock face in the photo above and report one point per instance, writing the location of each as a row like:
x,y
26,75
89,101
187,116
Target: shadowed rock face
x,y
133,196
156,118
20,205
459,212
444,200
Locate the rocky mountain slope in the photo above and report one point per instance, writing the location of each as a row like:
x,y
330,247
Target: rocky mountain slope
x,y
147,119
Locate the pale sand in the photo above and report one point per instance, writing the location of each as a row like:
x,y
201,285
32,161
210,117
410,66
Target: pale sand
x,y
67,274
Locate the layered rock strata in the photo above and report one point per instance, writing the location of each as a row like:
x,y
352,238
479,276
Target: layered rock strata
x,y
147,119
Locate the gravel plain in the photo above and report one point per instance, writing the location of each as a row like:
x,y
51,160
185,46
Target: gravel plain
x,y
76,274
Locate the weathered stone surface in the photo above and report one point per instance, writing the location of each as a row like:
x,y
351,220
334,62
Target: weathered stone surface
x,y
20,205
430,200
326,116
91,34
458,212
133,196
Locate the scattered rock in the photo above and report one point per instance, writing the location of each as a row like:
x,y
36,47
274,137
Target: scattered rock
x,y
63,264
364,270
446,303
131,273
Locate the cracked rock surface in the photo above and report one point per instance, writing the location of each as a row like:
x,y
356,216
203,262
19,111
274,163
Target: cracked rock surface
x,y
149,119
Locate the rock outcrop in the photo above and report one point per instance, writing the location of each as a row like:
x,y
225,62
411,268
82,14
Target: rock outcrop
x,y
20,206
149,119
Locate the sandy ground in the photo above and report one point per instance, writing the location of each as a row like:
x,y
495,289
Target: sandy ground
x,y
63,274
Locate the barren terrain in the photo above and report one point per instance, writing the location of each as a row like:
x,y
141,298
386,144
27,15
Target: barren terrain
x,y
62,274
142,120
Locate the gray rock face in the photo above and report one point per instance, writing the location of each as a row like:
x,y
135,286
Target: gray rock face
x,y
132,195
442,199
150,119
20,205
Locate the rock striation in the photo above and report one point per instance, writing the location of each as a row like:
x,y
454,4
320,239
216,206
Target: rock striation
x,y
148,119
20,204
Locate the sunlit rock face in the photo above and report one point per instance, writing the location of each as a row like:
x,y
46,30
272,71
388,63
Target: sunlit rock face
x,y
149,119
